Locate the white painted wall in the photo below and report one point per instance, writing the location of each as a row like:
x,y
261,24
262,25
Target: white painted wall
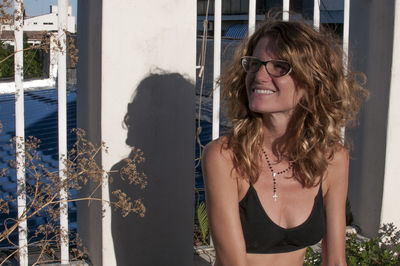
x,y
47,22
391,196
139,37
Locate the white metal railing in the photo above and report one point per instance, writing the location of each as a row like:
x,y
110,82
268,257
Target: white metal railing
x,y
251,27
217,67
20,133
346,31
316,14
252,16
286,9
62,126
20,130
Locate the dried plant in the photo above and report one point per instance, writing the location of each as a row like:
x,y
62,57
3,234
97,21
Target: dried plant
x,y
51,39
43,186
5,7
43,189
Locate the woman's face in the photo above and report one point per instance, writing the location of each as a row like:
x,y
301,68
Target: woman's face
x,y
267,94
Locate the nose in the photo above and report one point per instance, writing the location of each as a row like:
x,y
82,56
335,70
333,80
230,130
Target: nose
x,y
262,74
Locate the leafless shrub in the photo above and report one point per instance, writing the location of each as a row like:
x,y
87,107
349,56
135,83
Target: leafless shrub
x,y
43,189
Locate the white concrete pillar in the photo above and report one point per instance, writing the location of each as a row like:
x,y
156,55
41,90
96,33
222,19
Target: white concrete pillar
x,y
373,168
391,196
138,72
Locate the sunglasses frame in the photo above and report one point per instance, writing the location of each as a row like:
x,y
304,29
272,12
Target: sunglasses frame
x,y
265,65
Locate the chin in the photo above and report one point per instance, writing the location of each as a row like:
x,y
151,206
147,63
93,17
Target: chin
x,y
259,110
270,110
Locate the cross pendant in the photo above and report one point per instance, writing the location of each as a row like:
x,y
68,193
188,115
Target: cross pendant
x,y
275,196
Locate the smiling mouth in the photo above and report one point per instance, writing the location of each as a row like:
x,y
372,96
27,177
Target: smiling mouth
x,y
263,91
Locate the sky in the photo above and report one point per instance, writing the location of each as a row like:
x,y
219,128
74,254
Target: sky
x,y
40,7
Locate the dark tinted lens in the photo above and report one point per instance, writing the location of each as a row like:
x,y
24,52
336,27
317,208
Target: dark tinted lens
x,y
251,64
278,68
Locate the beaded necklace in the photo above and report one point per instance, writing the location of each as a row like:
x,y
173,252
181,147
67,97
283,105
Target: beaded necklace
x,y
274,174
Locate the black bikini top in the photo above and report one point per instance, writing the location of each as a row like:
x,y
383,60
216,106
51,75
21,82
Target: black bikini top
x,y
262,235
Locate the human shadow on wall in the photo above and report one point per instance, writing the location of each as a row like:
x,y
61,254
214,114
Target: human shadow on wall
x,y
160,121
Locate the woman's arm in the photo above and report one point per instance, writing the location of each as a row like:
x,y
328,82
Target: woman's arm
x,y
334,242
222,205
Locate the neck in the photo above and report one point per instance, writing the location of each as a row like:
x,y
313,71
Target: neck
x,y
275,126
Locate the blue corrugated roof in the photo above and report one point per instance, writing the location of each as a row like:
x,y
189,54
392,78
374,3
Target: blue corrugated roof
x,y
237,31
41,121
332,16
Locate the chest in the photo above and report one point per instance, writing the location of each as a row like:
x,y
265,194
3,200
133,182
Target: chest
x,y
286,203
286,229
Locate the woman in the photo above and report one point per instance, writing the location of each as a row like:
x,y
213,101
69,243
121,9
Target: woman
x,y
277,182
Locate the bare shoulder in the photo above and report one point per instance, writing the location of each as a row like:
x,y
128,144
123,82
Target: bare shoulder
x,y
338,167
340,156
217,147
217,161
217,153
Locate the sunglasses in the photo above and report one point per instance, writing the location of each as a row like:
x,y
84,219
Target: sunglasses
x,y
275,67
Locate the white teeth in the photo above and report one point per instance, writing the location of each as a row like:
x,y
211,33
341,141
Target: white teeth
x,y
264,91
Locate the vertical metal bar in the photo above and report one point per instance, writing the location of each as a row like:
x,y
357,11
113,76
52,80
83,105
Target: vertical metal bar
x,y
217,68
346,30
286,8
62,126
20,133
316,14
252,16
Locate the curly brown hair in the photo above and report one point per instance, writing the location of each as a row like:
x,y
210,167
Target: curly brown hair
x,y
332,99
